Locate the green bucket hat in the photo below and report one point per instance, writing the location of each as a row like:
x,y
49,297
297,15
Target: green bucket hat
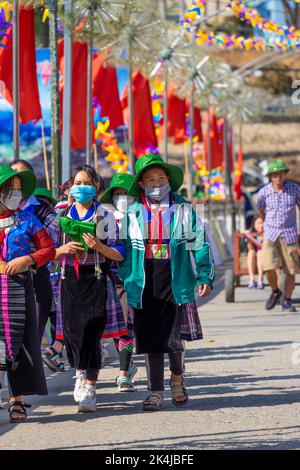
x,y
44,192
277,165
27,177
119,180
145,162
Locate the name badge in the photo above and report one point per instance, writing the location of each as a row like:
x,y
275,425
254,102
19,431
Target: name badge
x,y
160,251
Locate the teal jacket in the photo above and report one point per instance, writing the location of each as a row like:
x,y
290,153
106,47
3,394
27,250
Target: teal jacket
x,y
191,260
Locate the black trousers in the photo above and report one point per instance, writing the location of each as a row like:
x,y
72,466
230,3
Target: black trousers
x,y
156,368
43,295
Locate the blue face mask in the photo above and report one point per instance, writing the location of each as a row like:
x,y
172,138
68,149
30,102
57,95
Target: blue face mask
x,y
82,193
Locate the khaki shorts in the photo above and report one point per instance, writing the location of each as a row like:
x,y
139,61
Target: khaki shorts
x,y
279,254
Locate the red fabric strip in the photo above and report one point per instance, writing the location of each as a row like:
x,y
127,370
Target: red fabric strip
x,y
30,108
156,220
6,214
45,249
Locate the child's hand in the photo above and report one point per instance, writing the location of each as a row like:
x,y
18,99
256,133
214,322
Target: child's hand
x,y
70,248
92,242
18,265
204,290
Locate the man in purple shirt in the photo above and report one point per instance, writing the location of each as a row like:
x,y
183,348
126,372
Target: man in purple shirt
x,y
277,203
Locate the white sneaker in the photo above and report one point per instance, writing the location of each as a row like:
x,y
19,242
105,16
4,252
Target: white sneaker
x,y
88,401
79,385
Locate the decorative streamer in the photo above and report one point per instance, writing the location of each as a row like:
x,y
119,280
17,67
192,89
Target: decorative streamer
x,y
252,17
5,13
258,44
288,38
115,154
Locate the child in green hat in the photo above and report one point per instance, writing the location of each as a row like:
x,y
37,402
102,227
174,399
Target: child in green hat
x,y
45,194
117,200
20,351
167,255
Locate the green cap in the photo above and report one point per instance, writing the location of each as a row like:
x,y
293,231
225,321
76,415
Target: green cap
x,y
119,180
27,177
277,165
145,162
44,192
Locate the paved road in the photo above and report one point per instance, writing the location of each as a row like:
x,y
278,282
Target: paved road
x,y
243,380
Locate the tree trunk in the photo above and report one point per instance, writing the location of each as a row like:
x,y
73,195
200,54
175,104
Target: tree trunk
x,y
55,105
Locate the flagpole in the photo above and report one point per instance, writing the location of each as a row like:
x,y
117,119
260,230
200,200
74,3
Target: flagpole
x,y
209,166
16,80
89,117
131,111
45,155
228,189
191,155
166,111
56,156
241,134
67,108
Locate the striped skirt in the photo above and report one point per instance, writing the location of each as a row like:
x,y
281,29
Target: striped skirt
x,y
115,323
19,338
190,329
12,319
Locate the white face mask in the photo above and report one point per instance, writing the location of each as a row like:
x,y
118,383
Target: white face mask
x,y
13,201
158,193
122,202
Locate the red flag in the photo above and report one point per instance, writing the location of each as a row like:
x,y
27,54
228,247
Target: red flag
x,y
238,175
216,146
105,89
198,124
230,149
144,130
197,121
79,92
220,126
176,119
30,108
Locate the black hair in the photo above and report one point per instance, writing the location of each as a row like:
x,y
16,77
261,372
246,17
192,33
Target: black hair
x,y
252,227
102,184
89,170
5,188
24,162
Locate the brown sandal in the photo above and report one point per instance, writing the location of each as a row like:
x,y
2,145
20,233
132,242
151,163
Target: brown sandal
x,y
21,411
153,402
178,390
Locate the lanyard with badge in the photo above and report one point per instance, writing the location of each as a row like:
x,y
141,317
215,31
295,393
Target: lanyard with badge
x,y
156,247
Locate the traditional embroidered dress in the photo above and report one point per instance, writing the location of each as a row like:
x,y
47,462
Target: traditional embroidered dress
x,y
41,278
88,306
19,342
